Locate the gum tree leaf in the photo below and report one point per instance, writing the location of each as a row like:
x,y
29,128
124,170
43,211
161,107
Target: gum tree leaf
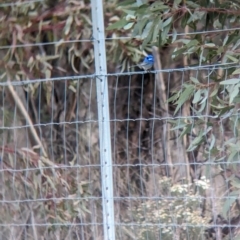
x,y
236,72
234,93
128,26
157,6
118,25
195,80
197,97
233,196
185,95
230,81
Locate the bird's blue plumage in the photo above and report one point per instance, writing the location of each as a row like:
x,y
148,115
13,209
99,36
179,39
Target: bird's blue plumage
x,y
147,63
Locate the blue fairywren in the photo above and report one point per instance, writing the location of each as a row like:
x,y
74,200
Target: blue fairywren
x,y
146,64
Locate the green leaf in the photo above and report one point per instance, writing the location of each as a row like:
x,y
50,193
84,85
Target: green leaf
x,y
156,6
236,72
232,58
176,3
233,94
141,2
237,43
209,45
149,32
185,95
173,98
192,43
179,126
138,28
225,40
167,22
230,81
205,92
156,25
197,97
142,10
203,104
164,34
185,19
184,41
186,130
130,17
118,25
128,26
192,4
129,12
213,140
235,182
214,92
174,37
198,140
229,202
179,52
127,2
234,152
226,112
195,80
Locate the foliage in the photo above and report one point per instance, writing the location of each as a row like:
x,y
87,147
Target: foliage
x,y
49,32
44,39
176,214
41,40
211,35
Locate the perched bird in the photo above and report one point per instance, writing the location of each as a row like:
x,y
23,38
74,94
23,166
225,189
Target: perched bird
x,y
146,64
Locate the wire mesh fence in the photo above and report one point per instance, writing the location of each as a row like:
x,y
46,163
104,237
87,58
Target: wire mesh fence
x,y
171,179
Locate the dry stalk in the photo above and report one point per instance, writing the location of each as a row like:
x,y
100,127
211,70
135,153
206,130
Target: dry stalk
x,y
186,113
24,113
163,105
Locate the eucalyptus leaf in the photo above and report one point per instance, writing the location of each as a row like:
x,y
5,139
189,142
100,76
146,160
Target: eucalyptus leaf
x,y
213,141
126,3
186,130
233,94
149,32
118,25
128,26
138,28
230,81
185,95
195,80
167,22
236,72
198,140
164,34
157,6
229,202
179,126
174,35
197,97
233,59
203,105
214,92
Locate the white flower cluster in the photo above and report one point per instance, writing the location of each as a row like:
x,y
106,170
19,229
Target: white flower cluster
x,y
179,188
203,183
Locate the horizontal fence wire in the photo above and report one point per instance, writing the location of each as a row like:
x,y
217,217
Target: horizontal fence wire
x,y
137,154
210,67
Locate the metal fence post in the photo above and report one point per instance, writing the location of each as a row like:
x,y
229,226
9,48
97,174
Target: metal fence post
x,y
103,117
